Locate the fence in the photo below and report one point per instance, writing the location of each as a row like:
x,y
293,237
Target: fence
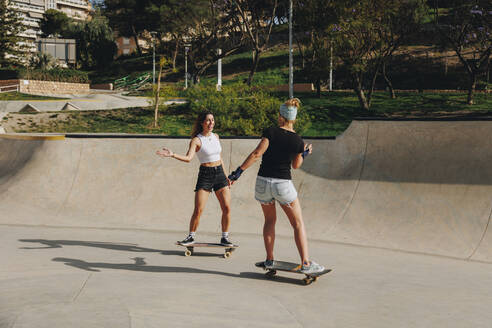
x,y
9,88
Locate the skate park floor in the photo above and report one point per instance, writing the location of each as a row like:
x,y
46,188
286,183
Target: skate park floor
x,y
400,210
86,277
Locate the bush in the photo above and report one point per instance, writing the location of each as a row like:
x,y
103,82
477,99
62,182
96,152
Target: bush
x,y
55,74
239,110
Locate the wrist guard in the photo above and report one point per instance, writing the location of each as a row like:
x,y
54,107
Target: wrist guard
x,y
235,174
305,153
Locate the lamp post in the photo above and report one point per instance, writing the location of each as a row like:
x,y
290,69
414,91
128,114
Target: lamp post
x,y
187,48
331,65
153,33
219,70
291,59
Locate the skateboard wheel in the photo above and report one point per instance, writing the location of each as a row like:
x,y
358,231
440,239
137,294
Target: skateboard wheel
x,y
307,281
270,274
227,254
187,252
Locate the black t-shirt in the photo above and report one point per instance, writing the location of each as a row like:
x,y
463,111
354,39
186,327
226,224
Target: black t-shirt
x,y
282,148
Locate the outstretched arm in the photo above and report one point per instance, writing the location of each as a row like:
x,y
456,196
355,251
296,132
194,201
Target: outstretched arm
x,y
194,144
255,154
251,159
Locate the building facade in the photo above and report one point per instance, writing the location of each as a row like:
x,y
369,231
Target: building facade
x,y
32,12
126,45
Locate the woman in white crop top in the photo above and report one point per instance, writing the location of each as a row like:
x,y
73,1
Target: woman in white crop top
x,y
206,145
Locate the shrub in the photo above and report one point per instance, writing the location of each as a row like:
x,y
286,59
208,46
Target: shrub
x,y
55,74
238,109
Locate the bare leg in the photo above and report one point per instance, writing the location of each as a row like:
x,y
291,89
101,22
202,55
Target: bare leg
x,y
294,213
224,197
270,214
201,197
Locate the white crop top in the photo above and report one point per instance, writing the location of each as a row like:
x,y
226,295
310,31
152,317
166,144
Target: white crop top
x,y
210,149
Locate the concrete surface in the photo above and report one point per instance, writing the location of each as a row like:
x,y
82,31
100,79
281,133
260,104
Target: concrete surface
x,y
399,210
93,101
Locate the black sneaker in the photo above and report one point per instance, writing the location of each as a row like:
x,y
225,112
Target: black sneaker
x,y
225,241
187,241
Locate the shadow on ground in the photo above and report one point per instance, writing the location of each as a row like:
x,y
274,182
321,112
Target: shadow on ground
x,y
141,266
139,263
108,245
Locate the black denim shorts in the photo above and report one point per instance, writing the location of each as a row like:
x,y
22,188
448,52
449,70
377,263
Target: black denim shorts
x,y
211,178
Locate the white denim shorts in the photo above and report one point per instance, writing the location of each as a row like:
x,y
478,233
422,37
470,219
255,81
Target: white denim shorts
x,y
268,190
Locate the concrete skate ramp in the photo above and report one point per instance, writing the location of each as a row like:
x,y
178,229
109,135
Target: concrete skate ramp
x,y
416,186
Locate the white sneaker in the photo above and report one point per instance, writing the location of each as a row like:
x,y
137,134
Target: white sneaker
x,y
313,267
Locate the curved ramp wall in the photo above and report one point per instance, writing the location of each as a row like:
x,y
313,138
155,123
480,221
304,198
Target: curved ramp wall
x,y
414,186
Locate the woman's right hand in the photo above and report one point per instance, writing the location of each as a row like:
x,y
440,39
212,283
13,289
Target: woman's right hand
x,y
164,152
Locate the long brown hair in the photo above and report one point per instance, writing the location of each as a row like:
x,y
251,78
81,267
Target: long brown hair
x,y
197,126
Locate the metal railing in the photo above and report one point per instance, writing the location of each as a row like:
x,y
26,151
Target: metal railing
x,y
80,4
9,88
130,83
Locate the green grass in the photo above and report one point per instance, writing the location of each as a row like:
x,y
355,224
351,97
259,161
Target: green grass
x,y
23,96
330,115
130,120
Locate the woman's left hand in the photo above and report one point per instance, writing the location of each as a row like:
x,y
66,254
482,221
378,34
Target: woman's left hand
x,y
309,147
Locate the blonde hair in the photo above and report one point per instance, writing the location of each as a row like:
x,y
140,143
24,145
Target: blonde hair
x,y
291,102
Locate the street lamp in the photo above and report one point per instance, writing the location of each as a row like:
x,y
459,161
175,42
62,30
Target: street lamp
x,y
219,70
153,34
187,48
291,59
331,65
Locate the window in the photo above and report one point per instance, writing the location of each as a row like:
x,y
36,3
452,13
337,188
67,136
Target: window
x,y
51,4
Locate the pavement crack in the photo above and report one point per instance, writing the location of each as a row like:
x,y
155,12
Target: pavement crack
x,y
81,288
289,311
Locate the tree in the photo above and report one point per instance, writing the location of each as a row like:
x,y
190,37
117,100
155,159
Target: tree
x,y
42,61
130,17
467,29
95,41
11,27
395,22
255,19
356,38
207,27
312,22
367,34
54,23
162,62
176,20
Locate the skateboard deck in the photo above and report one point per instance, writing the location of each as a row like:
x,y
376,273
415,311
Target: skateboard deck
x,y
191,248
290,267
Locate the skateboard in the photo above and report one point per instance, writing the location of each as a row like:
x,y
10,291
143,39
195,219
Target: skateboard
x,y
190,248
290,267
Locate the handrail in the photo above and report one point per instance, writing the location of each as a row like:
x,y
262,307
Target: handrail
x,y
132,83
16,86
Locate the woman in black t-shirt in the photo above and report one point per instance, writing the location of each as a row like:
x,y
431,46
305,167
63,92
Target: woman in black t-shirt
x,y
280,148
